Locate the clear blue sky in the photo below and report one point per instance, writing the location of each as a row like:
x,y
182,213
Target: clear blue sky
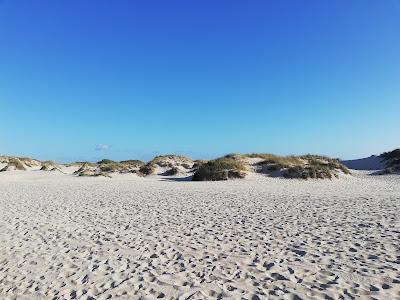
x,y
201,78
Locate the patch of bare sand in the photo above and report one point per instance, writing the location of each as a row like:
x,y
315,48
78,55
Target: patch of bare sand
x,y
146,238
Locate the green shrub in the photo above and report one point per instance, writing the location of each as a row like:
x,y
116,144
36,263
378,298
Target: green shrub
x,y
220,169
198,163
146,170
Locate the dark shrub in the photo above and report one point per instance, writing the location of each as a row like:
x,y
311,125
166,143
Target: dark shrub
x,y
391,158
220,169
171,172
106,161
146,170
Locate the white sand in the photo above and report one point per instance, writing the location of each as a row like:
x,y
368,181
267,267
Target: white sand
x,y
144,238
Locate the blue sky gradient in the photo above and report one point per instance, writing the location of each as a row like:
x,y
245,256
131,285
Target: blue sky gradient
x,y
84,80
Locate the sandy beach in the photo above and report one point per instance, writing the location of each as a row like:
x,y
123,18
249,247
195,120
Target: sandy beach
x,y
64,237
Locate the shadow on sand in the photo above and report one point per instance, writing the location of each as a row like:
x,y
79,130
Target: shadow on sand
x,y
189,178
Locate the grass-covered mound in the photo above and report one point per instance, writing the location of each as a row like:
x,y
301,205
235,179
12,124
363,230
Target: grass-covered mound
x,y
28,162
392,162
162,161
223,168
49,166
13,164
166,165
18,163
83,167
391,158
111,166
108,166
126,166
132,162
90,170
170,161
305,166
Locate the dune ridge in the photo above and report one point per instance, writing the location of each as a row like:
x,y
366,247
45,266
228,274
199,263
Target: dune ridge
x,y
232,166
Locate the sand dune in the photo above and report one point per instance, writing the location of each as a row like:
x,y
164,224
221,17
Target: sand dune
x,y
66,237
231,166
368,163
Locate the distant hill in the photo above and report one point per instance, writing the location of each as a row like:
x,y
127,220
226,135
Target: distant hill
x,y
369,163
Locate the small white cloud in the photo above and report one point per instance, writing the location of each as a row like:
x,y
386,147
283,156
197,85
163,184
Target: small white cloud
x,y
101,147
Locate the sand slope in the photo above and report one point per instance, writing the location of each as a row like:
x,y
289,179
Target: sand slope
x,y
368,163
149,238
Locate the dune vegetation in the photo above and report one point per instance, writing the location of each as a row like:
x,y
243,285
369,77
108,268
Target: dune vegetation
x,y
169,165
14,163
28,162
391,158
49,166
90,173
303,167
392,161
90,170
227,167
85,166
169,161
132,162
147,169
110,166
198,163
223,168
310,166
